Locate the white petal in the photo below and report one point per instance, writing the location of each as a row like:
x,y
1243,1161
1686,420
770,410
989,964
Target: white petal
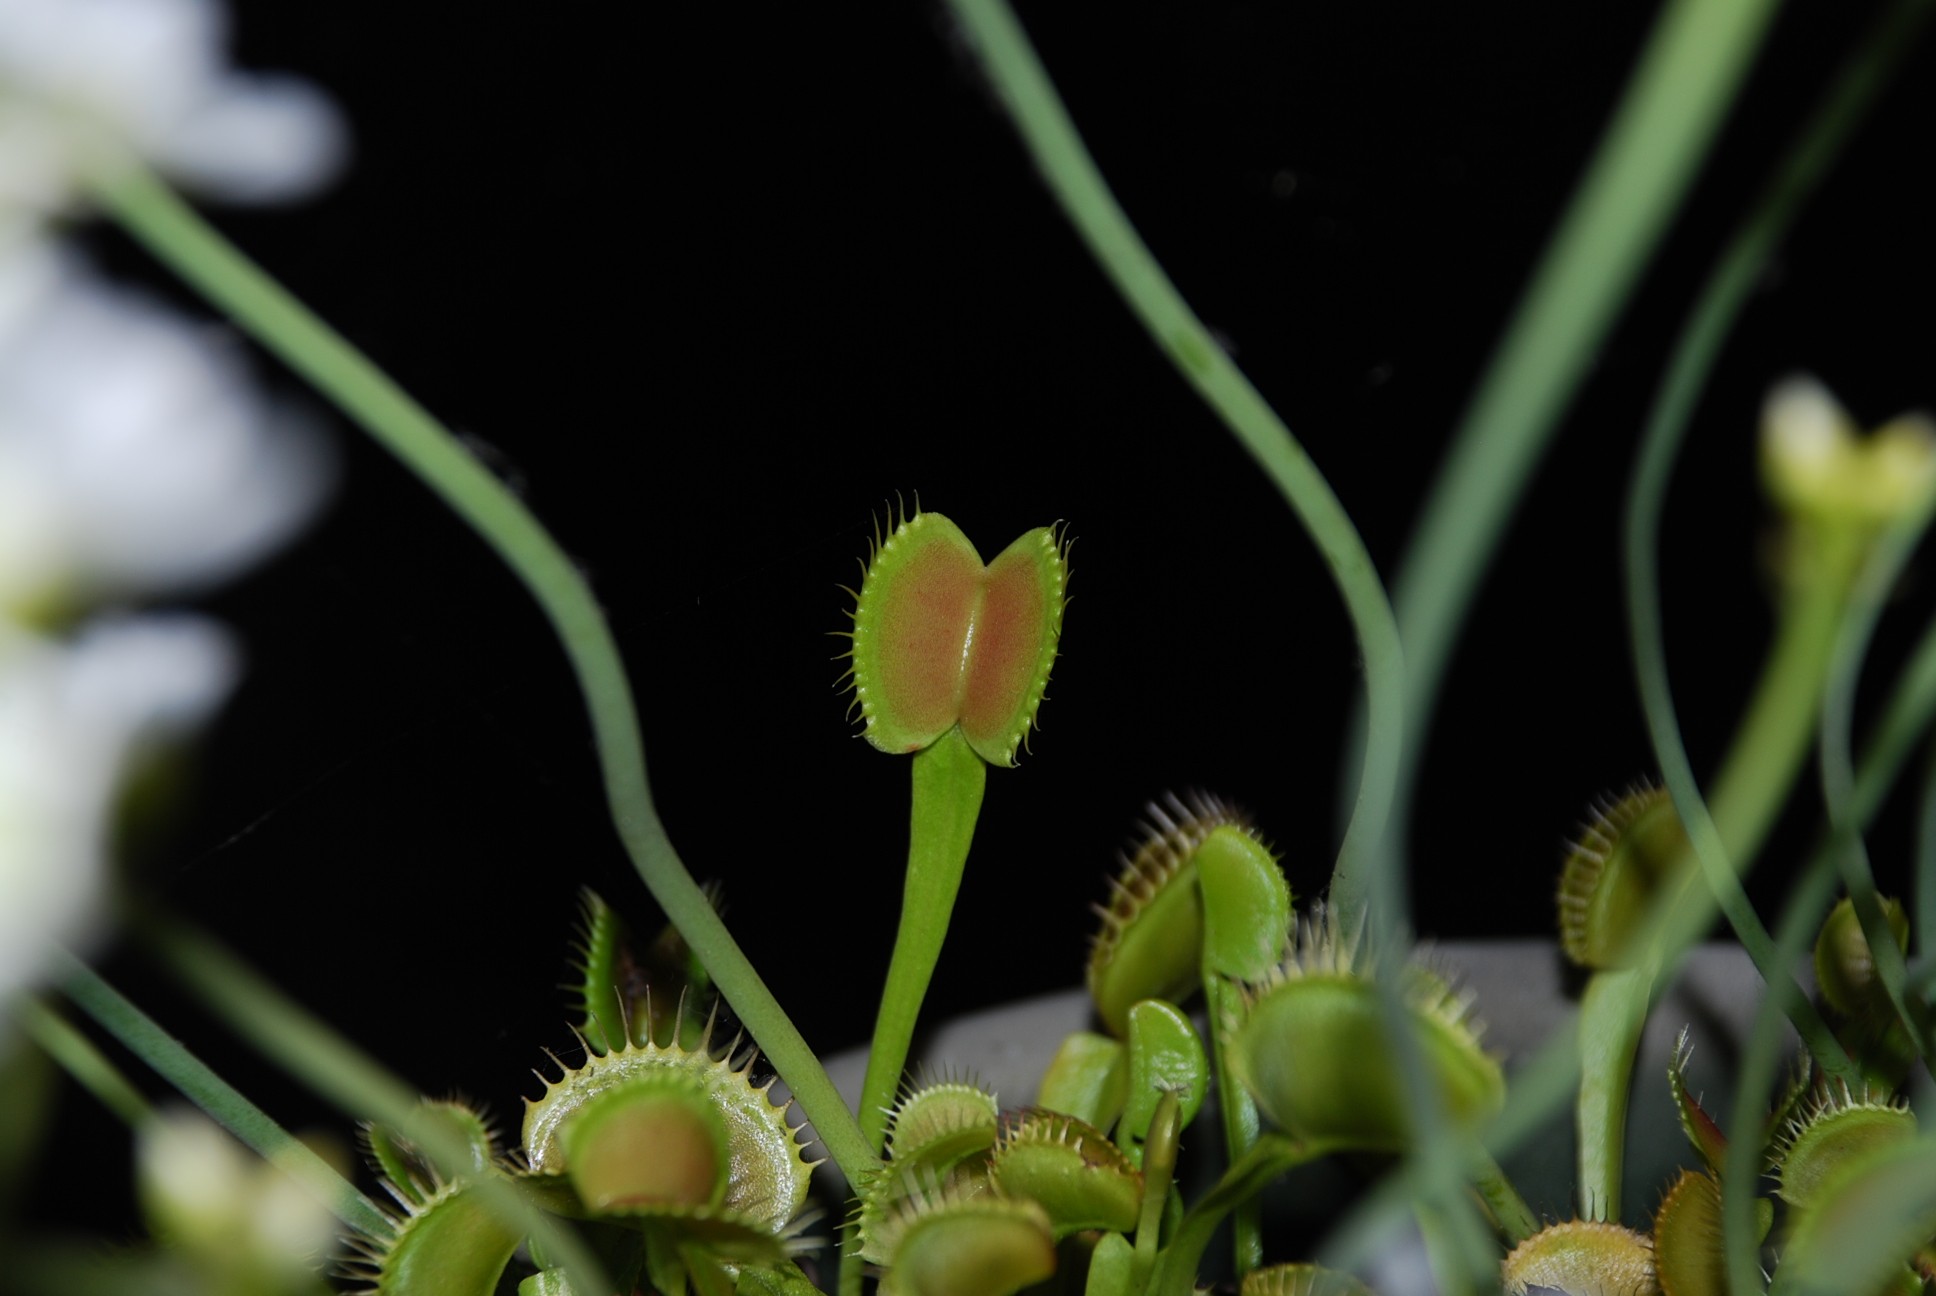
x,y
257,140
70,718
194,1178
83,78
157,467
1804,424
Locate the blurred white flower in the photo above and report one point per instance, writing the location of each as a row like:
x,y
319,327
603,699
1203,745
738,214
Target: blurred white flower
x,y
135,457
243,1217
72,718
1818,464
83,83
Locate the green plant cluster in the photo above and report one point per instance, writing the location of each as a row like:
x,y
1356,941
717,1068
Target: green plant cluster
x,y
660,1155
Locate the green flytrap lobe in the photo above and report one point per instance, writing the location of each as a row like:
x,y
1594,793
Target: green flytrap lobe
x,y
450,1244
1845,966
1616,868
1165,1057
1151,941
447,1242
1840,1126
1087,1078
1070,1169
1582,1258
1301,1280
1687,1235
941,640
937,1125
1311,1046
742,1161
960,1236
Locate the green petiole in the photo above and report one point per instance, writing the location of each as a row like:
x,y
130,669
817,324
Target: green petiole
x,y
949,779
1613,1013
1239,1113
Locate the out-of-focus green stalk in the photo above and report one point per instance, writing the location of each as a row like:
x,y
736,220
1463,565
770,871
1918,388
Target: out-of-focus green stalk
x,y
1767,753
1926,861
1543,1083
1807,630
1877,581
289,1036
1673,105
89,1066
172,1061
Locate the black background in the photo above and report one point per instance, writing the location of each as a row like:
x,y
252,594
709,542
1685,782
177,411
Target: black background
x,y
711,283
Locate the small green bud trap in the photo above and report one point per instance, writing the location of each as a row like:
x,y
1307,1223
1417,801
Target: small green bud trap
x,y
1845,967
958,1236
937,1126
1838,1127
1301,1280
449,1244
1069,1168
1614,872
1582,1258
407,1172
1703,1134
941,640
1688,1250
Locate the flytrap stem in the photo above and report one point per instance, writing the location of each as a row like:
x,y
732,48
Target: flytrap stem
x,y
1240,1122
949,779
1613,1013
948,782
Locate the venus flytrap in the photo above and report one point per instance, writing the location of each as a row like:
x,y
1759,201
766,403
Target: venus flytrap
x,y
690,1178
950,660
1200,901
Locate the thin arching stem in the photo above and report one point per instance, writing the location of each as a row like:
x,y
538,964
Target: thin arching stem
x,y
90,1067
176,235
1674,104
1078,185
